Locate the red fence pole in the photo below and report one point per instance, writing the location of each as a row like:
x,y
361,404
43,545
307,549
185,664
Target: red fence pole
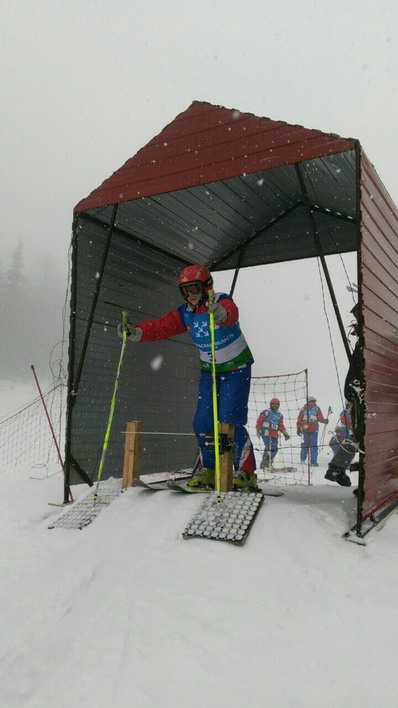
x,y
50,424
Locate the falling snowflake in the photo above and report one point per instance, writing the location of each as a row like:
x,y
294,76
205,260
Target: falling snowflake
x,y
235,114
157,362
97,275
260,182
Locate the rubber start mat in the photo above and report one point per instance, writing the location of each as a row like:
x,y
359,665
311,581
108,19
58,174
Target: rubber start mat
x,y
83,511
225,516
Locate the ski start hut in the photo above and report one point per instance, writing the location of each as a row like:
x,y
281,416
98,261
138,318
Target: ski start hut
x,y
230,190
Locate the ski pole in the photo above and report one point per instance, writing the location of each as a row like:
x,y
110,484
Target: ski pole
x,y
324,427
214,395
105,444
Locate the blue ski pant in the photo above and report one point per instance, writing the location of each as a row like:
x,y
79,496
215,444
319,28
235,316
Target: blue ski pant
x,y
270,445
309,446
233,388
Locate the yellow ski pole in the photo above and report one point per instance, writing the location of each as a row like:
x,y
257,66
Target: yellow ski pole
x,y
214,393
105,444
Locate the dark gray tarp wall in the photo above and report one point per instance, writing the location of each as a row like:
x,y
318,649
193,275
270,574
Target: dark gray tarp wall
x,y
143,282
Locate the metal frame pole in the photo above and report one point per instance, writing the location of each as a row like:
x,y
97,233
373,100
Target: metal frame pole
x,y
318,244
94,302
361,474
73,380
309,452
71,360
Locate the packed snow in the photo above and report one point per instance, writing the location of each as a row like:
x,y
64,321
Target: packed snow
x,y
125,613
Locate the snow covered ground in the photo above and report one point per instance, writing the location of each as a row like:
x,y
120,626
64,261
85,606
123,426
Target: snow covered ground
x,y
16,394
125,613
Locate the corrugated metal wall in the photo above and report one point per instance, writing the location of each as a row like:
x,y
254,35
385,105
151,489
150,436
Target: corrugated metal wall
x,y
379,286
158,382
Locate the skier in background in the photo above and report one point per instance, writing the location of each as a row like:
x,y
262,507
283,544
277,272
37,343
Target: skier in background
x,y
346,451
343,429
268,426
233,369
308,425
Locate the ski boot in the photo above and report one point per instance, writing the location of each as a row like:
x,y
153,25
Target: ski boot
x,y
246,482
202,479
337,474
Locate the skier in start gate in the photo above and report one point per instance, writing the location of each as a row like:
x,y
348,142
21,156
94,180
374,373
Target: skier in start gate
x,y
233,369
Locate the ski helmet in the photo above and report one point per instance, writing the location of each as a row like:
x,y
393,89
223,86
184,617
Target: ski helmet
x,y
311,398
274,402
195,275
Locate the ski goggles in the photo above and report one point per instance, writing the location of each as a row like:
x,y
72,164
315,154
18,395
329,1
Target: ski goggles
x,y
194,288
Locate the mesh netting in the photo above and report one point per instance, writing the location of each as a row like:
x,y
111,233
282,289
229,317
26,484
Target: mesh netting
x,y
291,390
86,509
26,442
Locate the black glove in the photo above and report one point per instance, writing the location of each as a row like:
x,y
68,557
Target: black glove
x,y
298,431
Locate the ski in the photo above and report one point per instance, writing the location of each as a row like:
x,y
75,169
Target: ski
x,y
59,503
277,470
158,480
154,487
271,492
183,487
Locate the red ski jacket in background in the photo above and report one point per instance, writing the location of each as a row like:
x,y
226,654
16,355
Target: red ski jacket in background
x,y
309,418
270,423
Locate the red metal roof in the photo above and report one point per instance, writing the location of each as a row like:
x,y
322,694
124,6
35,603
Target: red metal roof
x,y
208,143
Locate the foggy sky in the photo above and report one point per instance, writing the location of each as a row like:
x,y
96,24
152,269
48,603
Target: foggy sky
x,y
85,84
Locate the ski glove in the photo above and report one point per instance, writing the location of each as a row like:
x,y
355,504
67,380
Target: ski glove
x,y
219,312
298,431
133,333
287,436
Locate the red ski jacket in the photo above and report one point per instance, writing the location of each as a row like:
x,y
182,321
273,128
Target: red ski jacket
x,y
309,418
171,324
270,423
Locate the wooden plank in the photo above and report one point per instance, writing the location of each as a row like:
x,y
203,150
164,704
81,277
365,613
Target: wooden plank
x,y
132,453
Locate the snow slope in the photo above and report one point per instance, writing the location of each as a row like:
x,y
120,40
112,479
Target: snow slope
x,y
127,613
